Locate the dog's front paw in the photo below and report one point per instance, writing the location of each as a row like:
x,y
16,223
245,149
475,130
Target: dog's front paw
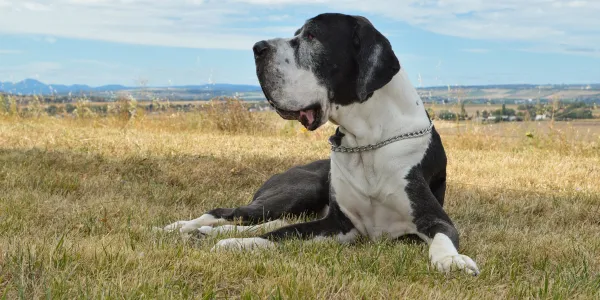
x,y
456,262
242,244
445,258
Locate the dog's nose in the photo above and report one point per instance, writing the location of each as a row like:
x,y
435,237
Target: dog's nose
x,y
260,48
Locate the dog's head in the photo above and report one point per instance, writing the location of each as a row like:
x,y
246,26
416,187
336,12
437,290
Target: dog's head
x,y
333,60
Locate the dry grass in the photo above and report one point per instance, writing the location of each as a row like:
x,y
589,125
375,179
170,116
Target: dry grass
x,y
79,197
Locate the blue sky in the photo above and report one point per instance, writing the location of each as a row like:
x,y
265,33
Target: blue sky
x,y
177,42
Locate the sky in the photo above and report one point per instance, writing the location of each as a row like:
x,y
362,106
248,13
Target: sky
x,y
181,42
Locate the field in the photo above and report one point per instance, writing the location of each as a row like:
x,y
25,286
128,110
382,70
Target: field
x,y
80,196
501,93
470,108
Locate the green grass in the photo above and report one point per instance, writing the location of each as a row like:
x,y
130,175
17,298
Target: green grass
x,y
79,198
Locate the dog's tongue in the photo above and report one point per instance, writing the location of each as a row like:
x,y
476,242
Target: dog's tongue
x,y
308,115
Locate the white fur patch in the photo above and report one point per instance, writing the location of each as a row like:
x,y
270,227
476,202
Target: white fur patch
x,y
445,258
228,229
296,87
370,186
346,238
242,244
189,226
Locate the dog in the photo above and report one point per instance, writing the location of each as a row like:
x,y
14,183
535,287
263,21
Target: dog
x,y
386,175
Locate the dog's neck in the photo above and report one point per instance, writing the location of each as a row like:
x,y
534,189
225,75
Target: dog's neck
x,y
394,109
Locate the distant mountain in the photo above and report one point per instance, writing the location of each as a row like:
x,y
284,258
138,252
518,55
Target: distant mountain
x,y
35,87
25,86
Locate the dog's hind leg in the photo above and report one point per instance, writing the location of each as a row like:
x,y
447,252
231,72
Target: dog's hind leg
x,y
228,229
299,191
335,226
253,214
248,215
206,219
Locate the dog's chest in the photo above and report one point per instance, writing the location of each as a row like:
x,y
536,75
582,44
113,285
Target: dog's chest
x,y
370,187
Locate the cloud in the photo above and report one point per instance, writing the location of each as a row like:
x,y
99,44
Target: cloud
x,y
35,6
548,22
192,24
532,21
223,24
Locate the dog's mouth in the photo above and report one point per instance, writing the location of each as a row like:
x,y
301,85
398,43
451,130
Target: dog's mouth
x,y
310,116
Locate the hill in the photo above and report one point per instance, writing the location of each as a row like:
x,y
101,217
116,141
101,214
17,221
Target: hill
x,y
515,93
186,92
507,93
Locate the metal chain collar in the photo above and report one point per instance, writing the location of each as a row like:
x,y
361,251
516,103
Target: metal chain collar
x,y
383,143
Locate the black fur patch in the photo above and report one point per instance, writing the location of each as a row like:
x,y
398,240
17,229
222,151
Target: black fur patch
x,y
336,138
345,62
344,67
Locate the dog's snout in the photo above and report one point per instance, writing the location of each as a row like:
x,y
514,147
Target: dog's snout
x,y
260,48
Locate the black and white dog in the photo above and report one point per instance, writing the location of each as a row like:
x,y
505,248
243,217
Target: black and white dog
x,y
386,176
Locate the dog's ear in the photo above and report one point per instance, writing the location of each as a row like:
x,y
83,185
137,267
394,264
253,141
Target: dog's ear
x,y
377,63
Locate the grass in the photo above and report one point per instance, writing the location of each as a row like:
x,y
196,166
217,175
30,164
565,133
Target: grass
x,y
79,197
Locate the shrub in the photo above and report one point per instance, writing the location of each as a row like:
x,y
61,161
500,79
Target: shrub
x,y
52,110
36,108
447,115
82,109
232,115
124,109
4,105
577,113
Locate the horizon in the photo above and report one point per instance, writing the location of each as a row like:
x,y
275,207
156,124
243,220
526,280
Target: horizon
x,y
191,42
258,86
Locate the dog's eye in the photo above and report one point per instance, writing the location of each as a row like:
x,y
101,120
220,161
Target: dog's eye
x,y
309,36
